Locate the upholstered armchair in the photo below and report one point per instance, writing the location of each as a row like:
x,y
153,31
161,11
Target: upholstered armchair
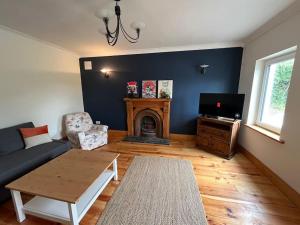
x,y
82,133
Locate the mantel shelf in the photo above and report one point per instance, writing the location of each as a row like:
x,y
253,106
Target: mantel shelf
x,y
147,99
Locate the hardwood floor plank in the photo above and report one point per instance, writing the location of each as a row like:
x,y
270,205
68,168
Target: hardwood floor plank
x,y
234,192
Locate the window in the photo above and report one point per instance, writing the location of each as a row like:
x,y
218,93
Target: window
x,y
274,92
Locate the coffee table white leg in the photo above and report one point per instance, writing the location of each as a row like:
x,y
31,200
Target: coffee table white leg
x,y
73,214
115,168
18,204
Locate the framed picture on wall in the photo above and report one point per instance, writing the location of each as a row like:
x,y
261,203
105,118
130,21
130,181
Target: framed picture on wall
x,y
149,88
132,89
165,88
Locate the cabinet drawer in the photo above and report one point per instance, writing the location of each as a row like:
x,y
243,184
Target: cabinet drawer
x,y
220,145
215,132
203,140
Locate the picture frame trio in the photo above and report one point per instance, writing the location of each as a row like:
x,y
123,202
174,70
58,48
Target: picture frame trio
x,y
151,89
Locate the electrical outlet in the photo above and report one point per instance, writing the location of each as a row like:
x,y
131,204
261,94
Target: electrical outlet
x,y
98,122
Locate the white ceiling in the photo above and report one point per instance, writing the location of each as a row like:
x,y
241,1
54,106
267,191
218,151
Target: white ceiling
x,y
183,24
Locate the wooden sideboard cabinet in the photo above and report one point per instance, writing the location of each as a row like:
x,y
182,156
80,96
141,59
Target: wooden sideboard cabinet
x,y
217,135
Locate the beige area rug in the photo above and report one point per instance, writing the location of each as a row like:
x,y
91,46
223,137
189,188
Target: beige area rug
x,y
156,191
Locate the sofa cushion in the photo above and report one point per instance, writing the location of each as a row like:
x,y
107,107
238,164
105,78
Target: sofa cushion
x,y
35,136
21,162
11,139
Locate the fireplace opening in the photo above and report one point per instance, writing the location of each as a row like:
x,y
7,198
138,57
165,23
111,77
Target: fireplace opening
x,y
148,123
148,127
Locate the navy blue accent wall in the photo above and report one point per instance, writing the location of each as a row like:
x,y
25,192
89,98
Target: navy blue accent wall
x,y
103,98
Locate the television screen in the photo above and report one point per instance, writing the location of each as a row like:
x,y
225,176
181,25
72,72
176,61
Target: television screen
x,y
223,105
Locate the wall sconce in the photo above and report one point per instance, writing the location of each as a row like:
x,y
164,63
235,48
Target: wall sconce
x,y
203,68
106,72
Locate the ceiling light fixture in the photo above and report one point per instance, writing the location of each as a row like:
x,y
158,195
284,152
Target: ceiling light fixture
x,y
112,36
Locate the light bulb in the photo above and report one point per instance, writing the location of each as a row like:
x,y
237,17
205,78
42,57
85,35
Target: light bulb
x,y
104,13
105,70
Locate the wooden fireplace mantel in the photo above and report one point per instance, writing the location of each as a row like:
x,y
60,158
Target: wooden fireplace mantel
x,y
147,99
136,105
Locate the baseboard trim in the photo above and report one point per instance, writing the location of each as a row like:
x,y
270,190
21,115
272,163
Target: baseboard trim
x,y
117,133
286,189
174,137
183,137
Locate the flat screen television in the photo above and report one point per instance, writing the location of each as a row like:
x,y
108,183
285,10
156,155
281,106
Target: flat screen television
x,y
222,105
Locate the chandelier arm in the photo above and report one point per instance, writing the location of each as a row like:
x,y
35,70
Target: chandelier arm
x,y
110,38
113,42
126,34
116,39
113,38
129,40
115,31
110,34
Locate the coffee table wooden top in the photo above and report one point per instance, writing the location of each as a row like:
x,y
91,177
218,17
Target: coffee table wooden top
x,y
66,177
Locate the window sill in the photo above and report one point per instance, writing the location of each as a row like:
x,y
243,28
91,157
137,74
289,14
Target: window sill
x,y
266,133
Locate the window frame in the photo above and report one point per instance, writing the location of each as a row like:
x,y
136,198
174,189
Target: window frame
x,y
263,90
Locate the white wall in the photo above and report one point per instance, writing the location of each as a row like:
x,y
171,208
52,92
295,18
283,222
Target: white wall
x,y
283,159
38,82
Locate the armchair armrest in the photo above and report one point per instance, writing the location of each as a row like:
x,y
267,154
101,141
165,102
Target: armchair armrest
x,y
73,138
103,128
72,133
81,136
92,139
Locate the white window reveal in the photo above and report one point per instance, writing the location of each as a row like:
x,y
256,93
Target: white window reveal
x,y
274,92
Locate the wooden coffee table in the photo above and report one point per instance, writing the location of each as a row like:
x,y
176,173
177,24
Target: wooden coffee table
x,y
66,187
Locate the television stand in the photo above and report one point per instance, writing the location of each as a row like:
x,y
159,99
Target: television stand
x,y
218,135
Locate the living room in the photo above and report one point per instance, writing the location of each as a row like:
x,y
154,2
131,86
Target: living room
x,y
149,112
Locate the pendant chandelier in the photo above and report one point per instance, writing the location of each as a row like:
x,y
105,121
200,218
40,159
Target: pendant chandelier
x,y
112,36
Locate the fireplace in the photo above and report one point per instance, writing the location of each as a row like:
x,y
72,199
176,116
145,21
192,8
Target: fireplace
x,y
148,123
148,117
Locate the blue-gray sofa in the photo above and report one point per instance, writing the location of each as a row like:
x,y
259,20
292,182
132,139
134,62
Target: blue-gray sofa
x,y
15,160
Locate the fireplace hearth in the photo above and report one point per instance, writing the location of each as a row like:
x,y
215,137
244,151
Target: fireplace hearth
x,y
148,117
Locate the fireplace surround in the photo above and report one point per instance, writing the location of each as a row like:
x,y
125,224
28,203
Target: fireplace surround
x,y
148,117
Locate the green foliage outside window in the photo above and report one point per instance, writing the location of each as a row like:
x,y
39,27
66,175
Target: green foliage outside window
x,y
281,84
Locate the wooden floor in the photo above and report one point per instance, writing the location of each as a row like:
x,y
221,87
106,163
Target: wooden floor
x,y
233,192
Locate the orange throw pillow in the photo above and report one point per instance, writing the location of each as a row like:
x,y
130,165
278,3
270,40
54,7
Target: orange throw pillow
x,y
35,136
